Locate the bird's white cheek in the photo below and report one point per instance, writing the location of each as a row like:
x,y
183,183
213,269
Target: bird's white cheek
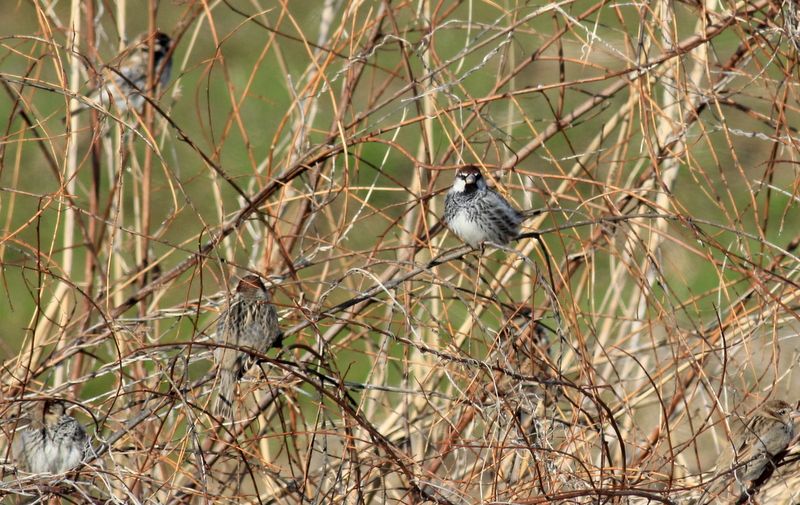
x,y
458,185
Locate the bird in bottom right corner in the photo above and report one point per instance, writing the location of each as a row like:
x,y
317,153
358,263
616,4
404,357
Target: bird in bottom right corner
x,y
478,214
754,446
250,320
54,442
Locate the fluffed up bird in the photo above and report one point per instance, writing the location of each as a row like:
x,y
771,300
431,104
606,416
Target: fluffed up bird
x,y
124,79
53,443
476,213
249,320
754,446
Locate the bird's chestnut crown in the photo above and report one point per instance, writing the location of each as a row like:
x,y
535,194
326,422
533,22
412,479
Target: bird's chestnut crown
x,y
251,285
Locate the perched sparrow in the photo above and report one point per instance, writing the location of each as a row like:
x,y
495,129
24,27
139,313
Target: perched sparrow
x,y
476,213
125,78
755,444
249,321
791,22
54,442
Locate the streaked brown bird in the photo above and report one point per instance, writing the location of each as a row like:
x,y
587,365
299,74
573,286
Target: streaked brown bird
x,y
249,320
124,79
54,442
754,446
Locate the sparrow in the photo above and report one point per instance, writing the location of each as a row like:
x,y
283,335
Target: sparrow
x,y
53,443
478,214
756,443
791,22
249,320
124,79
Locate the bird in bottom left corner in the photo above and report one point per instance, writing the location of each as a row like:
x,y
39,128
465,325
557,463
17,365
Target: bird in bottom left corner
x,y
249,320
54,442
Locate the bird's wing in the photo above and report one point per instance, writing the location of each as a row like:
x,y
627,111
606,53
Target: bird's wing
x,y
745,440
448,203
502,214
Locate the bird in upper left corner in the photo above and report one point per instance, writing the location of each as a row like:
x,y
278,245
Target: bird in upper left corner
x,y
124,79
478,214
54,442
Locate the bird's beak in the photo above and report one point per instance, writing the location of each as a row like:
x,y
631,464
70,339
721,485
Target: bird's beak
x,y
470,179
794,415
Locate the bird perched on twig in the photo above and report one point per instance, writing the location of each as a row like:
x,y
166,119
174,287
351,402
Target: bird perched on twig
x,y
754,446
249,320
476,213
791,22
54,442
124,79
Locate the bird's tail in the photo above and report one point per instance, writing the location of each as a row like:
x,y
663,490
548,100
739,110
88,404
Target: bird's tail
x,y
223,407
721,490
278,342
529,213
